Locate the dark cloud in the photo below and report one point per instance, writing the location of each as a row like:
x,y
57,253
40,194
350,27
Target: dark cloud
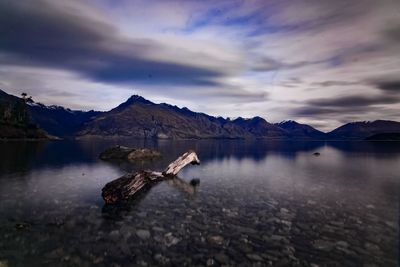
x,y
326,112
270,64
389,86
339,58
334,117
354,101
344,115
239,95
393,34
345,105
47,34
355,53
293,82
335,83
223,95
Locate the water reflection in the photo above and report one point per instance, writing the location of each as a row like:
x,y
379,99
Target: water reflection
x,y
258,202
120,211
19,156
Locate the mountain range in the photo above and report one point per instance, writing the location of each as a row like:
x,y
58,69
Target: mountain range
x,y
140,118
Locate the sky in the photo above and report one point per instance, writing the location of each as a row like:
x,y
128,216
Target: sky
x,y
320,62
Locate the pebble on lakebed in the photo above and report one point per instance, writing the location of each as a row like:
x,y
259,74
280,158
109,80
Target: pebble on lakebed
x,y
126,153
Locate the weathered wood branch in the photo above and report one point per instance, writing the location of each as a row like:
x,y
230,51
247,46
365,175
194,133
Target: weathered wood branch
x,y
129,185
189,157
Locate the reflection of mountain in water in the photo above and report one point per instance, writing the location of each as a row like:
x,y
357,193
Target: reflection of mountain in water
x,y
29,155
380,149
240,149
19,156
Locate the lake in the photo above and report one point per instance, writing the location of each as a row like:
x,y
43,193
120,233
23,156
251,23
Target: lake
x,y
259,203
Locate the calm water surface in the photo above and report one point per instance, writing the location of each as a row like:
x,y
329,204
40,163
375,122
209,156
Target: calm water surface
x,y
258,204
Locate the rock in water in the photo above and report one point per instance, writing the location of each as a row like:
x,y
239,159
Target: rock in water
x,y
195,182
116,152
127,153
143,234
142,154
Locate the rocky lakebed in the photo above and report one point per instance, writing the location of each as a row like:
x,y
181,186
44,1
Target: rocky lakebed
x,y
277,210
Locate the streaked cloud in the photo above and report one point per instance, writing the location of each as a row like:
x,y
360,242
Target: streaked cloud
x,y
52,36
319,62
389,86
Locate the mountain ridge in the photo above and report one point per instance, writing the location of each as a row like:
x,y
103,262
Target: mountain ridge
x,y
141,118
301,131
59,121
362,129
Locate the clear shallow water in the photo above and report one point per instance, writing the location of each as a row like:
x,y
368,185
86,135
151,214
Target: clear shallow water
x,y
258,203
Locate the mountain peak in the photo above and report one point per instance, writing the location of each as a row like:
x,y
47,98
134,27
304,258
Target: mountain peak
x,y
254,119
134,99
138,99
257,119
301,131
288,122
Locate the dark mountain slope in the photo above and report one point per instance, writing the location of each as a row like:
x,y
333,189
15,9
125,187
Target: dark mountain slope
x,y
15,122
301,131
362,130
141,118
260,128
59,121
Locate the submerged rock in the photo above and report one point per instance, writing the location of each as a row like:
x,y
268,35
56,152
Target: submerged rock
x,y
215,239
143,234
323,245
254,257
222,258
195,182
143,154
127,153
171,240
22,226
116,152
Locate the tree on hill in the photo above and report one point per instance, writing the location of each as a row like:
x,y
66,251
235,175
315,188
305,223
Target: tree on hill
x,y
15,112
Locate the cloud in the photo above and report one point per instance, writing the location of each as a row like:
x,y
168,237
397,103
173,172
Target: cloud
x,y
345,109
354,101
388,86
320,111
335,83
46,33
260,17
392,33
329,118
270,64
236,94
227,57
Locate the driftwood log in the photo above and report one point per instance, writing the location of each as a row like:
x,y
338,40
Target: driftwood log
x,y
129,185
